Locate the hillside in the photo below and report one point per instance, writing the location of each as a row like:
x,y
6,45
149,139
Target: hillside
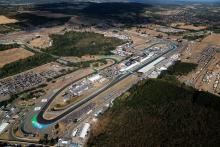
x,y
160,112
83,43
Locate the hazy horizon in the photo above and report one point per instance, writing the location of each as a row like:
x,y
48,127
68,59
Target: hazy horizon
x,y
141,1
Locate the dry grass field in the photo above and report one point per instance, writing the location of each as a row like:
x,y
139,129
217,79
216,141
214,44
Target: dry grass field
x,y
213,39
5,20
12,55
192,27
210,40
188,26
42,42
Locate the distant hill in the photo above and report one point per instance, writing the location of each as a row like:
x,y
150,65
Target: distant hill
x,y
140,1
53,1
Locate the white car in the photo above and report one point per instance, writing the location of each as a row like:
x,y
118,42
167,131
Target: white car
x,y
44,100
37,108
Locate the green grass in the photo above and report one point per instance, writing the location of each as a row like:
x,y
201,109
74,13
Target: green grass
x,y
82,43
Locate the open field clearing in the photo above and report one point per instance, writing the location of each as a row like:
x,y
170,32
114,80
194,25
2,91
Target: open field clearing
x,y
42,42
12,55
5,20
213,39
192,27
188,26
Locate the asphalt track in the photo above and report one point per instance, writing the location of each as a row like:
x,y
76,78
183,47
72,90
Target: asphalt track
x,y
44,121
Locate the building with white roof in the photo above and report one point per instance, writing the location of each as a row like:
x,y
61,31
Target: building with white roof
x,y
84,131
151,65
3,127
95,78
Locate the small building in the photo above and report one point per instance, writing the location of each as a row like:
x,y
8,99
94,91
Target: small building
x,y
3,127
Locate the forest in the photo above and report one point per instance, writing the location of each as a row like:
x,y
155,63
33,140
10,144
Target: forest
x,y
82,43
160,112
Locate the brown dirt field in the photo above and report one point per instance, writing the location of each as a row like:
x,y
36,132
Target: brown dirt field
x,y
42,42
191,27
213,39
5,20
12,55
188,27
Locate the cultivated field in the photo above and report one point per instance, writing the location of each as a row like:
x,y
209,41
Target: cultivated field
x,y
5,20
12,55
